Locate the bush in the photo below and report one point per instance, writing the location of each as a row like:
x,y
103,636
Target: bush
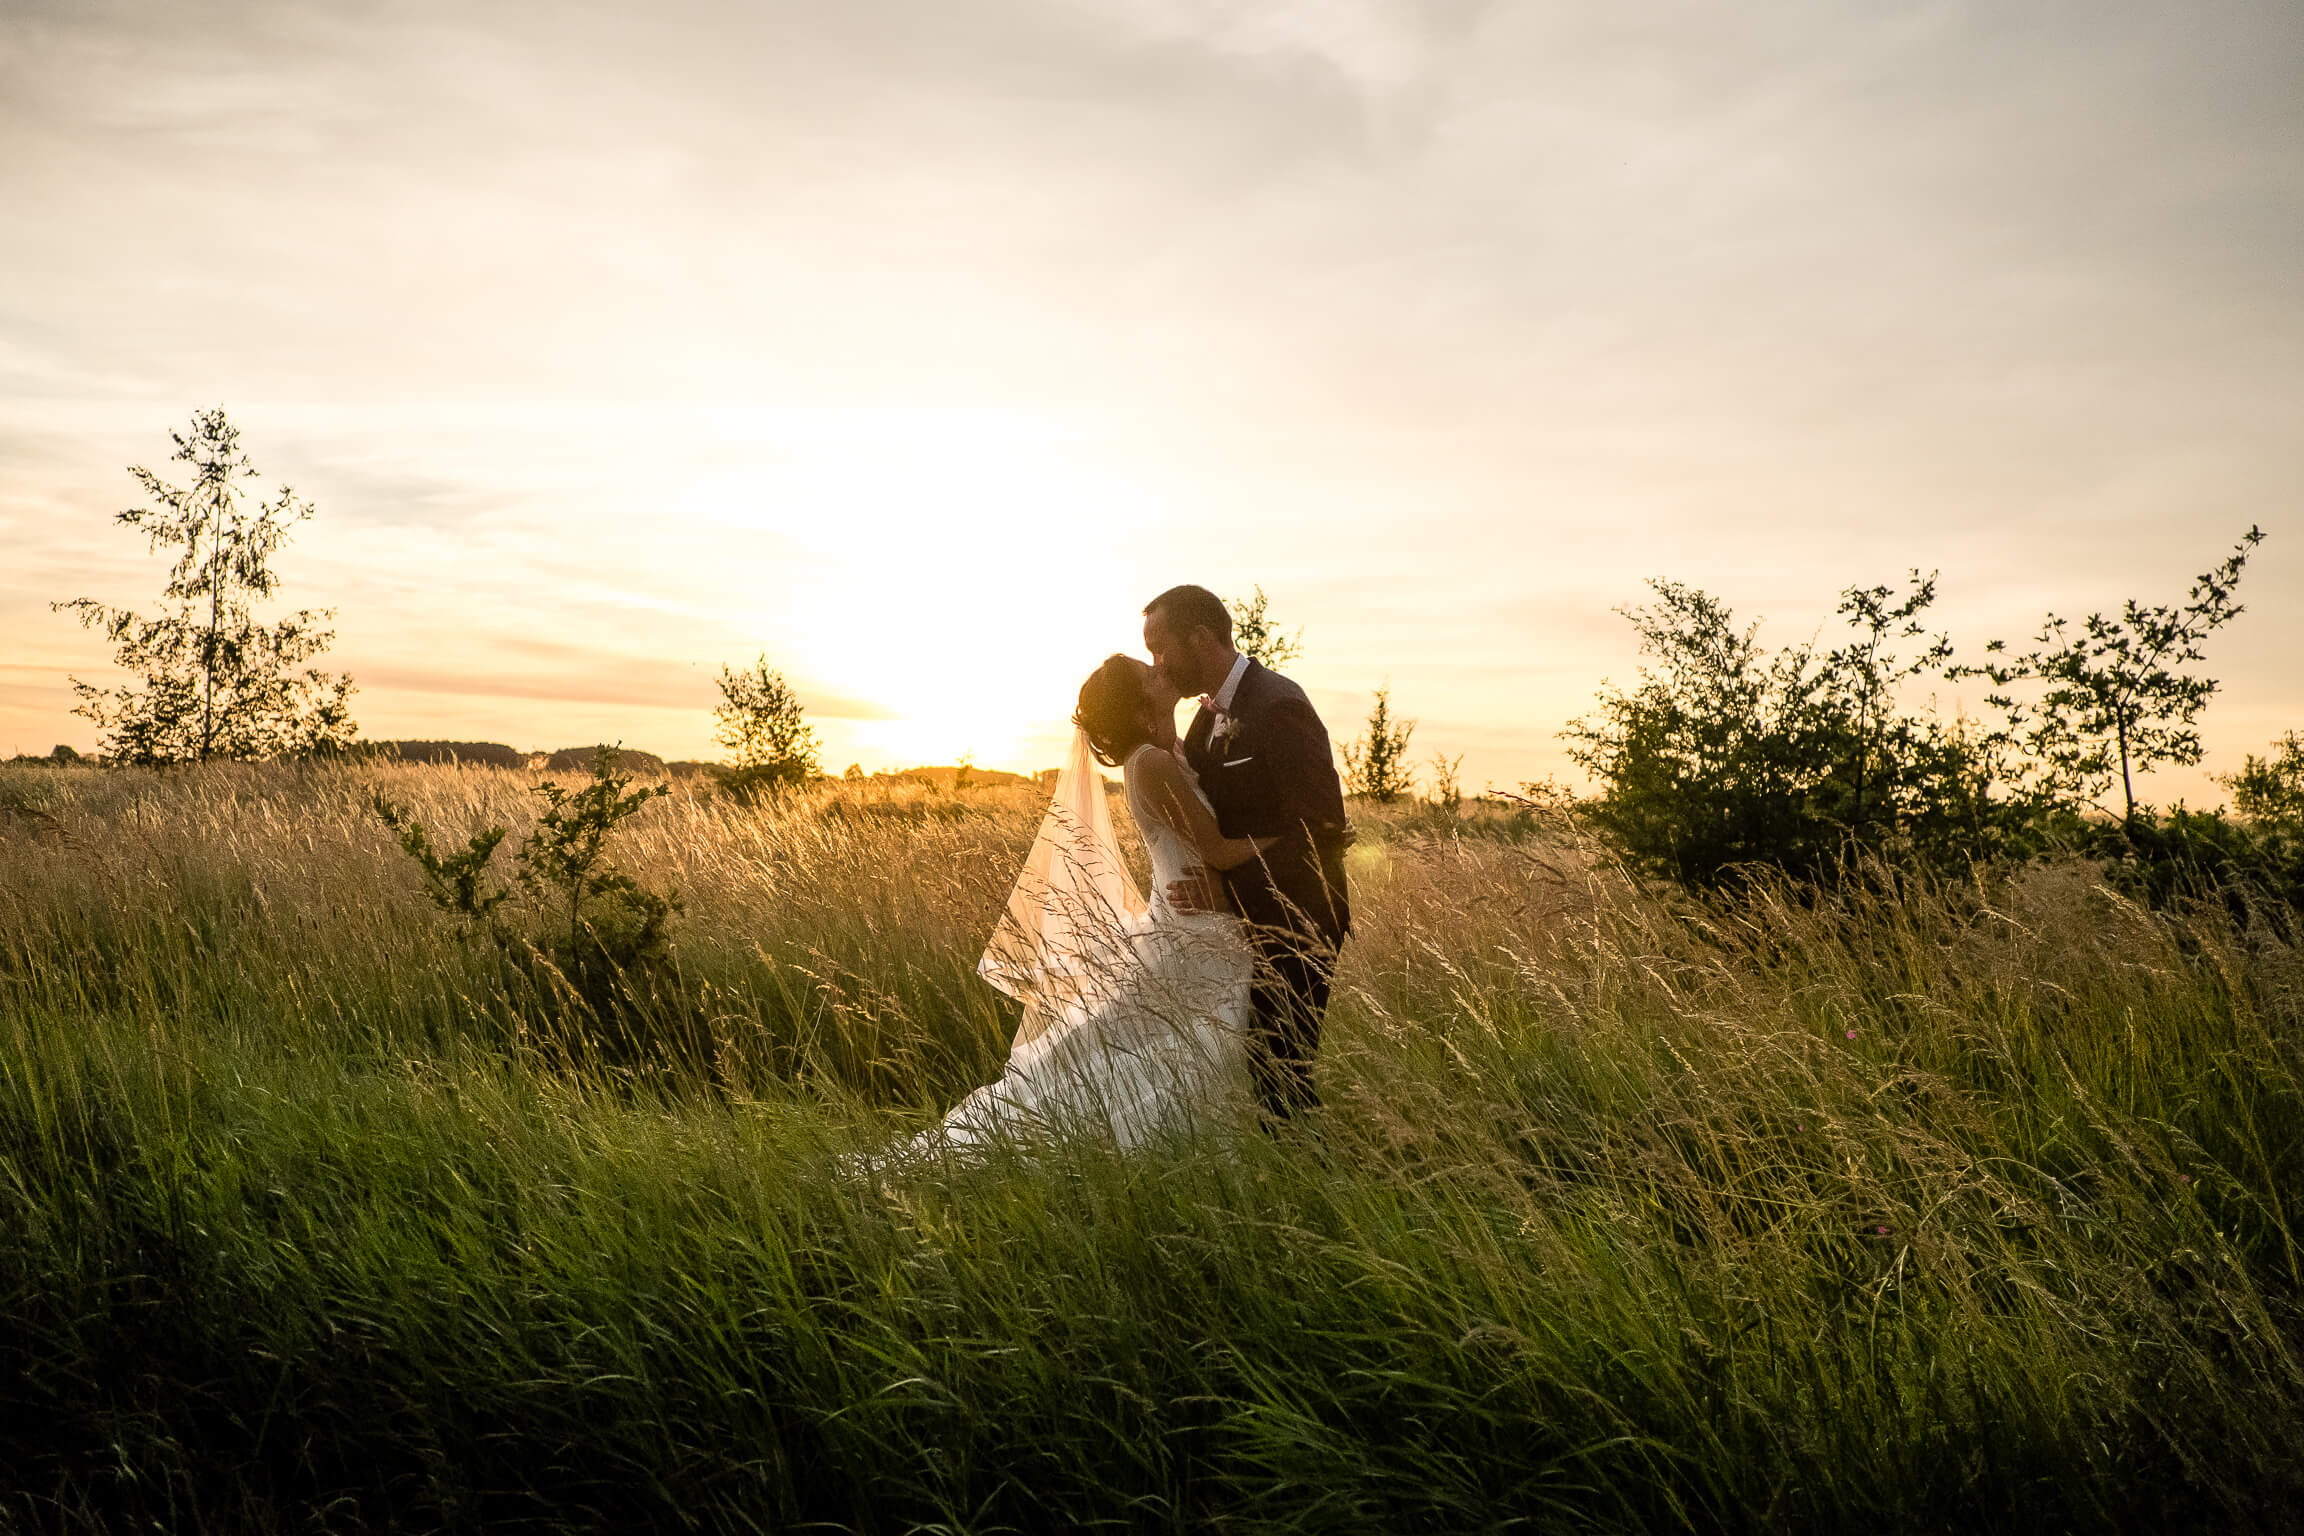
x,y
2187,857
588,939
2252,863
2266,790
1727,758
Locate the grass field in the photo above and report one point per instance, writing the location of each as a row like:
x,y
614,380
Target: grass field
x,y
1917,1209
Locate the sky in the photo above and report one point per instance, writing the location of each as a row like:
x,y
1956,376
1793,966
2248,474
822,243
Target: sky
x,y
916,345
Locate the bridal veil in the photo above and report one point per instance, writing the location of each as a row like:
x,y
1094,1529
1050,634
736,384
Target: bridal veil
x,y
1061,947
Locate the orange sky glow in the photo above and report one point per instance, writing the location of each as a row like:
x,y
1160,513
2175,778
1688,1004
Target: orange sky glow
x,y
916,346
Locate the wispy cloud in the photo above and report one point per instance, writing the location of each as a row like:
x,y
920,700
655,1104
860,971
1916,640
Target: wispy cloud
x,y
1377,47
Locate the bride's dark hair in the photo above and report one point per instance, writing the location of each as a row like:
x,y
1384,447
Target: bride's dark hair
x,y
1112,706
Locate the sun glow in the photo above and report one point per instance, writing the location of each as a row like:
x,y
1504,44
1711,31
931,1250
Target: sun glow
x,y
955,573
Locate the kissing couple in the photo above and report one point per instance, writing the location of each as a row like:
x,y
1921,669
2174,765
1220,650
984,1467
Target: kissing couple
x,y
1200,1005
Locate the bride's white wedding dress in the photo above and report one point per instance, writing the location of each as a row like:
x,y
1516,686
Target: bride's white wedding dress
x,y
1135,1011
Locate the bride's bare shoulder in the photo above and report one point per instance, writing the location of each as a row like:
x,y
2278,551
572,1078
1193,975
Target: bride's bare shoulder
x,y
1153,768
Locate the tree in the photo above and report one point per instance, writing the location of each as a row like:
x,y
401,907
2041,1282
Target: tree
x,y
1255,636
215,683
1860,683
1727,755
1377,764
2115,695
760,721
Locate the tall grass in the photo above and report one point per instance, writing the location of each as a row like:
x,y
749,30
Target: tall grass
x,y
1921,1207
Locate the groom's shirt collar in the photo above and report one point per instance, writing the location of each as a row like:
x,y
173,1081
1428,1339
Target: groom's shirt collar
x,y
1223,696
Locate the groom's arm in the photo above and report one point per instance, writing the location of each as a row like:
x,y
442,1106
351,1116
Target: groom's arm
x,y
1303,770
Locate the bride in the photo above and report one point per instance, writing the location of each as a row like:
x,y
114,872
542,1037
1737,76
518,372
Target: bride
x,y
1134,1010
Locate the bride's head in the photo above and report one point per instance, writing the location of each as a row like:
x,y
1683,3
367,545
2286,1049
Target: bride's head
x,y
1123,705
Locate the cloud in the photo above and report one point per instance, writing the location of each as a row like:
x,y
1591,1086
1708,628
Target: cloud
x,y
1378,47
576,673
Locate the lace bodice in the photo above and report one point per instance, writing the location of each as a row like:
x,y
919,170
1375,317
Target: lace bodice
x,y
1173,858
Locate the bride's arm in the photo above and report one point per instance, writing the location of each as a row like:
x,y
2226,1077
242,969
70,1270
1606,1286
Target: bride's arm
x,y
1185,813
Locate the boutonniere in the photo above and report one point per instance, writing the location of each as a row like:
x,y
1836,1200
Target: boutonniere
x,y
1223,731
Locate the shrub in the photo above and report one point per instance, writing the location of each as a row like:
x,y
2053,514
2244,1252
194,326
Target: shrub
x,y
2268,790
1728,758
2251,862
588,938
2165,861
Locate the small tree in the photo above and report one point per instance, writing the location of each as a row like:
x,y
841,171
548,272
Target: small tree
x,y
760,722
587,923
2114,693
1377,764
215,683
608,918
1255,636
1447,785
1860,683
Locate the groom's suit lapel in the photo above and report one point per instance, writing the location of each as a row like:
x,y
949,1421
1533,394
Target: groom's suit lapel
x,y
1196,750
1209,756
1249,694
1199,750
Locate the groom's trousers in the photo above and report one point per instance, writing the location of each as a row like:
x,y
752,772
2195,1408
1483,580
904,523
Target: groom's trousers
x,y
1297,913
1290,998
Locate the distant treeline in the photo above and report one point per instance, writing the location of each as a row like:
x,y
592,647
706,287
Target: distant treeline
x,y
495,754
962,777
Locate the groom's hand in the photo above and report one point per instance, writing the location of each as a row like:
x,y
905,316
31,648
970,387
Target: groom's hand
x,y
1200,895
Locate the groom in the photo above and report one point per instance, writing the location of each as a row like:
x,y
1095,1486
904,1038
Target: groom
x,y
1263,760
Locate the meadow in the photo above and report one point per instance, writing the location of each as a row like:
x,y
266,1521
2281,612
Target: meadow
x,y
1913,1206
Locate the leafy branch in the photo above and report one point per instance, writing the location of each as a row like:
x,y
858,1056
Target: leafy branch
x,y
1257,637
2114,694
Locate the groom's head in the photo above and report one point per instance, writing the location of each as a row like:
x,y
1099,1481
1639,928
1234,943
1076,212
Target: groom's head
x,y
1188,630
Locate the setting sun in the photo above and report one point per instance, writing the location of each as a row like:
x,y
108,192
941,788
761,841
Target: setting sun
x,y
943,551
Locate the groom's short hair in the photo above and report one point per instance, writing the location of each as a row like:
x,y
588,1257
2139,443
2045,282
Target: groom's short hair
x,y
1193,608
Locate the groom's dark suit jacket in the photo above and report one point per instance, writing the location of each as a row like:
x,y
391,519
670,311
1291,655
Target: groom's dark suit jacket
x,y
1272,776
